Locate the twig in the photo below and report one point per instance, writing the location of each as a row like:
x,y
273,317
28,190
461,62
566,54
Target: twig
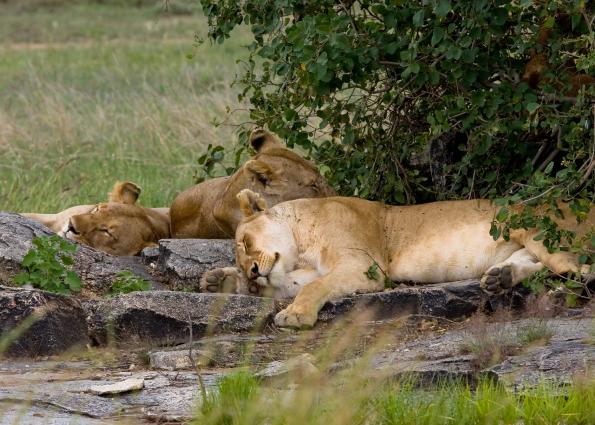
x,y
201,382
539,196
549,158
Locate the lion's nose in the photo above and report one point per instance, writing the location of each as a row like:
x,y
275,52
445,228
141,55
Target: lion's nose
x,y
254,271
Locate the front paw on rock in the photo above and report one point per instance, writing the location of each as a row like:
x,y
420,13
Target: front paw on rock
x,y
219,280
293,318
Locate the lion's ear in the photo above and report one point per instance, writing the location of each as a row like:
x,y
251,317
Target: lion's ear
x,y
261,170
262,140
124,193
251,203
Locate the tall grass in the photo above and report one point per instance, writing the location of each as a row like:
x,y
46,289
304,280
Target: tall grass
x,y
93,93
242,400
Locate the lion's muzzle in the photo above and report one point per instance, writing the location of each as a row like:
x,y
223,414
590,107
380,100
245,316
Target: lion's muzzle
x,y
263,265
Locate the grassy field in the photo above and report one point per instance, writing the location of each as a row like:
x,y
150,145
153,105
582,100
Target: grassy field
x,y
91,93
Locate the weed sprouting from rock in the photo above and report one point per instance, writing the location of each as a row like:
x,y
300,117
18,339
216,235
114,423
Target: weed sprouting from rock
x,y
48,266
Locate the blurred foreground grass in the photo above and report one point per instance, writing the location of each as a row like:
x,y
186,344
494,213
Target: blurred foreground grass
x,y
241,399
96,92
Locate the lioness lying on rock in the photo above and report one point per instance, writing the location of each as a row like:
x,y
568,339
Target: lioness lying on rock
x,y
319,249
210,209
118,227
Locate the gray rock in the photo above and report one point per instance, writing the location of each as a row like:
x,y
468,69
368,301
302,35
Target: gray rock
x,y
16,233
178,359
41,323
47,388
15,412
431,359
450,300
96,269
163,317
182,262
125,386
567,355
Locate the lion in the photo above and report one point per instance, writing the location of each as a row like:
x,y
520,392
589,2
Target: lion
x,y
209,210
118,227
319,249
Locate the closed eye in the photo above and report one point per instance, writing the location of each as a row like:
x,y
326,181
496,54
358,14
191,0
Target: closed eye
x,y
107,232
247,243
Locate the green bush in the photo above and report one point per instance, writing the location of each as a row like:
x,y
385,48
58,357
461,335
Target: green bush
x,y
47,266
416,101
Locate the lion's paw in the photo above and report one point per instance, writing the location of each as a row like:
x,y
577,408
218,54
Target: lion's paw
x,y
497,280
295,317
220,280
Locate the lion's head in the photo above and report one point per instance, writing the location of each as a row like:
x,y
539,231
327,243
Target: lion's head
x,y
119,226
276,173
265,246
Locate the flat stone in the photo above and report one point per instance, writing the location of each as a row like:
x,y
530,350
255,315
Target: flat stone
x,y
15,412
43,323
131,384
78,404
182,262
165,317
449,300
567,355
178,359
432,359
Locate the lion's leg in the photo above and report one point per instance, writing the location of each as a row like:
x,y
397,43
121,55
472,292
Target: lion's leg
x,y
342,280
561,263
229,280
503,276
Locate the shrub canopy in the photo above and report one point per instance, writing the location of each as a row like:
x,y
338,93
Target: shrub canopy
x,y
413,101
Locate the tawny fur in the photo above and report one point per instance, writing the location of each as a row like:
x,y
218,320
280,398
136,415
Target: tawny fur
x,y
210,209
322,248
118,227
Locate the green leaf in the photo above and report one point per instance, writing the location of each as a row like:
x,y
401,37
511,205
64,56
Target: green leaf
x,y
29,259
73,281
372,272
437,35
418,18
21,278
532,107
502,215
443,7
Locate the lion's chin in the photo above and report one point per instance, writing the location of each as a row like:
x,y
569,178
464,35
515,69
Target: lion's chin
x,y
276,275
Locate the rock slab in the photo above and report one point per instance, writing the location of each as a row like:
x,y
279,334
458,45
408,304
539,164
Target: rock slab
x,y
37,323
96,269
449,300
125,386
182,262
166,317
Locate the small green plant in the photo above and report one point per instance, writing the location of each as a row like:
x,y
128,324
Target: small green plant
x,y
126,282
372,274
212,164
569,290
236,392
48,266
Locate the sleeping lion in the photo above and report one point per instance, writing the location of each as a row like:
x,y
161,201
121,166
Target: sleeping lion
x,y
319,249
209,210
118,227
